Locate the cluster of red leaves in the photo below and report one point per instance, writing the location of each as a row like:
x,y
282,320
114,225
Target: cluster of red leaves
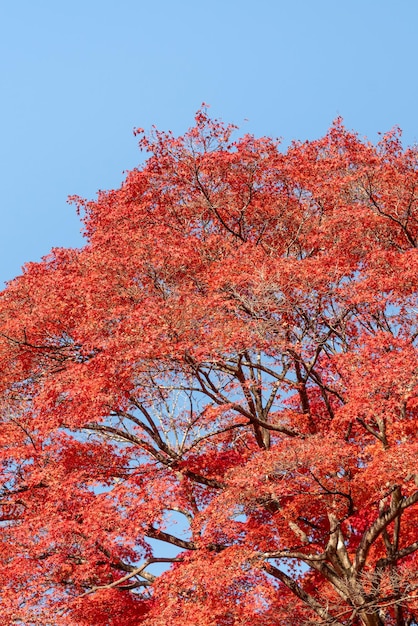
x,y
209,412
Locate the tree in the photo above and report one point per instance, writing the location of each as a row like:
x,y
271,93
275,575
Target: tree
x,y
209,412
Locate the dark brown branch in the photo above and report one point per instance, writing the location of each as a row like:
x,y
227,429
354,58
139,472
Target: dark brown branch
x,y
155,533
300,593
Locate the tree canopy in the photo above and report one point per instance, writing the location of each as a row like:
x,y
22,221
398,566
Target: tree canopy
x,y
209,412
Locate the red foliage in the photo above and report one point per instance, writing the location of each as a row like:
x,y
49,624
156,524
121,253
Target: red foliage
x,y
209,412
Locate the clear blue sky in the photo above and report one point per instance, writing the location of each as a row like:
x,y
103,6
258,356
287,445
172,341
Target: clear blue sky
x,y
77,77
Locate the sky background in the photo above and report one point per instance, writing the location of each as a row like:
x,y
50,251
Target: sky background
x,y
77,77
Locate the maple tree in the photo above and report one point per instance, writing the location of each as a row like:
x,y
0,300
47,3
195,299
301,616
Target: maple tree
x,y
209,412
